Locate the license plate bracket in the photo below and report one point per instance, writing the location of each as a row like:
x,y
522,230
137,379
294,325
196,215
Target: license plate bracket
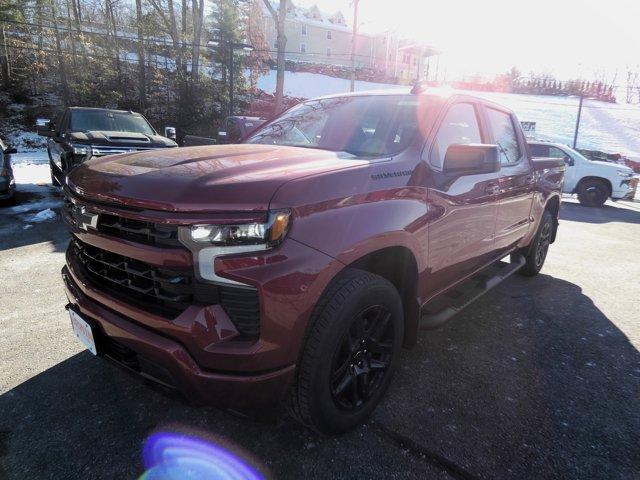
x,y
83,331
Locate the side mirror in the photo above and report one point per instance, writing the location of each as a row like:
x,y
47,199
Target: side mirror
x,y
471,159
569,161
10,151
43,127
170,132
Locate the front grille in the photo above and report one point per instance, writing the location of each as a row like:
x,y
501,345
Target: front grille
x,y
138,231
149,233
162,291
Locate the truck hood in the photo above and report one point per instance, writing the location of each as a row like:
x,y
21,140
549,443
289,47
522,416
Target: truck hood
x,y
612,166
219,178
121,139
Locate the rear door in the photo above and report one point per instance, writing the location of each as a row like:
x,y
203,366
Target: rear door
x,y
465,208
516,182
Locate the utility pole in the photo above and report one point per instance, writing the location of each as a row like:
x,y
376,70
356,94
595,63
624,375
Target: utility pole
x,y
575,135
353,45
230,79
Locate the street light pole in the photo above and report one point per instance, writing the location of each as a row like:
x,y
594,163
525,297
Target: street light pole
x,y
353,45
575,135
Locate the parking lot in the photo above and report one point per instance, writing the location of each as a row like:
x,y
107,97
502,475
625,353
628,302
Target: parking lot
x,y
539,379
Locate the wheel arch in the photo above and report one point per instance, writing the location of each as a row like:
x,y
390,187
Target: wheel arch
x,y
553,207
399,266
603,180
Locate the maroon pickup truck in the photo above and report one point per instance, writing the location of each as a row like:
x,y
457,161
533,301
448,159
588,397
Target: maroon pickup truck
x,y
296,265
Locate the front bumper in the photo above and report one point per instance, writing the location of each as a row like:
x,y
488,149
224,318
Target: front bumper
x,y
627,190
167,362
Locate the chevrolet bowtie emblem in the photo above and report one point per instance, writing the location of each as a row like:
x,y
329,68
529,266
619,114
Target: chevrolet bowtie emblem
x,y
84,219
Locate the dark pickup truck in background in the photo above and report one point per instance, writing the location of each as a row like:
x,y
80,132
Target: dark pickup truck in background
x,y
296,265
78,134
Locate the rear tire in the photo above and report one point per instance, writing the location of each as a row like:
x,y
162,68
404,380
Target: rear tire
x,y
537,252
593,193
350,353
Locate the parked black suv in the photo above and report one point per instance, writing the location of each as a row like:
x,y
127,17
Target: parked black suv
x,y
77,134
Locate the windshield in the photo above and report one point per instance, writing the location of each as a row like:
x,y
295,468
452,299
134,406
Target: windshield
x,y
96,120
369,126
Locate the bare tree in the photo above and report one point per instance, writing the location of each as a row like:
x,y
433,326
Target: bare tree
x,y
172,27
279,18
142,76
198,21
62,68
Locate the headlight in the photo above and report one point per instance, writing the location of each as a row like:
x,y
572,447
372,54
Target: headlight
x,y
624,174
270,233
208,242
81,149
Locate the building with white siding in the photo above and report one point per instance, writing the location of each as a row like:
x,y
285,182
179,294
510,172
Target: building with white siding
x,y
318,37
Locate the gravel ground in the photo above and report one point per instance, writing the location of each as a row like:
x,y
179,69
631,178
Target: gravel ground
x,y
539,379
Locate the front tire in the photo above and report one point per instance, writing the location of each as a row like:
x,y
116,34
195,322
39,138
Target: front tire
x,y
592,193
537,252
350,353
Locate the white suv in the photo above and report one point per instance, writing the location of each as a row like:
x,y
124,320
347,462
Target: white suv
x,y
592,180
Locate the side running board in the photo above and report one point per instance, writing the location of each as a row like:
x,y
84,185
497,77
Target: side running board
x,y
451,302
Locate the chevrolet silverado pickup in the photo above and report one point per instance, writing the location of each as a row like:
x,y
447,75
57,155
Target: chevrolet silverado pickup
x,y
78,134
592,180
294,267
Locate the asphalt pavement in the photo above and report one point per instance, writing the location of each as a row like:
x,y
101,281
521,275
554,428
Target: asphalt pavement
x,y
539,379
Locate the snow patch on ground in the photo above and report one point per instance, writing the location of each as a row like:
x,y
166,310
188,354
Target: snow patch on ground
x,y
42,216
27,141
311,85
37,157
31,171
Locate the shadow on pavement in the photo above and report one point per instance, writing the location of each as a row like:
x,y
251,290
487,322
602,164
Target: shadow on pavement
x,y
534,381
608,213
85,418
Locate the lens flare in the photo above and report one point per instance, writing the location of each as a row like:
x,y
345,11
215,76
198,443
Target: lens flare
x,y
172,456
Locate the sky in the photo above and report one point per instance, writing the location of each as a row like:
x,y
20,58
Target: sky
x,y
565,38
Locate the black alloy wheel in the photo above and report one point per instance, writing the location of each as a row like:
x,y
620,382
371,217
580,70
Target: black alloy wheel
x,y
362,359
542,246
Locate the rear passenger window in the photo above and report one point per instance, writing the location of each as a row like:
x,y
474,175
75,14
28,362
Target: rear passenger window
x,y
505,136
460,125
539,151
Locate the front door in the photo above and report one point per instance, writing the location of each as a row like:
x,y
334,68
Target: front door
x,y
464,209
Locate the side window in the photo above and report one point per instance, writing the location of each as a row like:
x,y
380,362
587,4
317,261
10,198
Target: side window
x,y
504,135
460,125
555,152
539,151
